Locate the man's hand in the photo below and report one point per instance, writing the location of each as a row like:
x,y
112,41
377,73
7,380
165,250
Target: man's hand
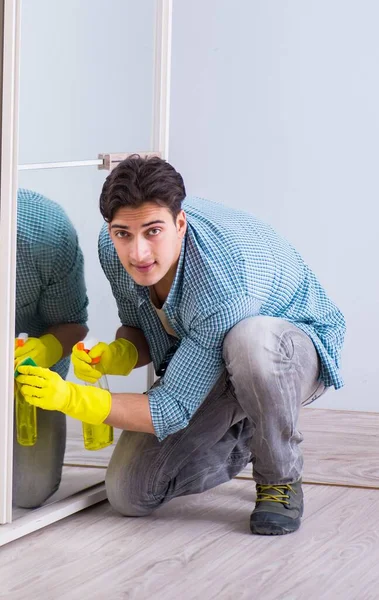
x,y
46,351
49,391
117,358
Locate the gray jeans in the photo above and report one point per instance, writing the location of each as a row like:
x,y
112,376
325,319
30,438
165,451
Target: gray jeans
x,y
37,470
251,414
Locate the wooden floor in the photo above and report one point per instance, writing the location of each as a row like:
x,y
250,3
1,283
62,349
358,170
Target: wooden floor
x,y
200,547
339,447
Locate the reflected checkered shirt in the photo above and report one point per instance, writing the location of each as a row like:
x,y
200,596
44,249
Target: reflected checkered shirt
x,y
50,287
232,266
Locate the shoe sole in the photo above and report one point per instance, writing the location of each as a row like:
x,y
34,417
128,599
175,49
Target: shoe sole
x,y
256,530
269,527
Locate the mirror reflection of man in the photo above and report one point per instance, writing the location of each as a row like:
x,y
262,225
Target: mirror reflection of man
x,y
51,307
239,330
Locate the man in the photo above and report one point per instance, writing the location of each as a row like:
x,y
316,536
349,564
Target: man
x,y
51,307
239,330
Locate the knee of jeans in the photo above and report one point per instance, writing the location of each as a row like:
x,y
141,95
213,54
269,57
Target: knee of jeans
x,y
253,343
29,493
128,495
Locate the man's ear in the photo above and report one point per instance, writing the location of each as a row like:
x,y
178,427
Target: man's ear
x,y
181,223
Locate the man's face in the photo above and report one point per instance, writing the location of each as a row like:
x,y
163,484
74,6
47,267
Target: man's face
x,y
147,241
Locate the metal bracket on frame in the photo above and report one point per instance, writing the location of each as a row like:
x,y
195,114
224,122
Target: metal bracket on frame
x,y
110,161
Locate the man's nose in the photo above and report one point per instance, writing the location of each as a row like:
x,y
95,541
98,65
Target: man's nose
x,y
139,250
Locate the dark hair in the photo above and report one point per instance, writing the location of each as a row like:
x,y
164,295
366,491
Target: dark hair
x,y
137,180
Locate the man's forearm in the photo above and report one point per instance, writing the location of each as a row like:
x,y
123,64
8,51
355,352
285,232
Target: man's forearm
x,y
68,334
136,336
130,412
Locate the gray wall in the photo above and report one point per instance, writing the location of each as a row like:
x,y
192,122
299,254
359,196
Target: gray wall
x,y
275,110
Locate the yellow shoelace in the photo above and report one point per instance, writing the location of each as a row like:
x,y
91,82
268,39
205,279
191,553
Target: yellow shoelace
x,y
265,493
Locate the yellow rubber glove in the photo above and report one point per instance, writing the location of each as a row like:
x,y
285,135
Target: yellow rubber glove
x,y
46,351
49,391
118,358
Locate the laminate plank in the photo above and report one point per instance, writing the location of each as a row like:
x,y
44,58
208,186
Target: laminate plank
x,y
201,547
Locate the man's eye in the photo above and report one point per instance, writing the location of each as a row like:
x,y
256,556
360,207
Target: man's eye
x,y
154,231
121,234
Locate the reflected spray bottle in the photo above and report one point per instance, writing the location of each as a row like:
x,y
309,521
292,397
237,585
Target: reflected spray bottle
x,y
26,414
96,437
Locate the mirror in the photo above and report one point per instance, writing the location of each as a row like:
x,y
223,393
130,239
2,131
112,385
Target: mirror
x,y
77,99
86,83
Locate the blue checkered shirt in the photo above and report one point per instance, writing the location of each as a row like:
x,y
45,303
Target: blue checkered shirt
x,y
50,287
232,266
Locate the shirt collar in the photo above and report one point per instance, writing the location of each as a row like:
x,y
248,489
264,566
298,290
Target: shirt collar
x,y
176,287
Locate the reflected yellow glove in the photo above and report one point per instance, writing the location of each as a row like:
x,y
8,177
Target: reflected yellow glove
x,y
118,358
46,351
49,391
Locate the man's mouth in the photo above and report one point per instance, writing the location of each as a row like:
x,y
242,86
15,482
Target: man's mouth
x,y
144,268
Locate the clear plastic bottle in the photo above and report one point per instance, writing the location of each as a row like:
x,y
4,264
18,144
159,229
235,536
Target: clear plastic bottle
x,y
26,414
96,437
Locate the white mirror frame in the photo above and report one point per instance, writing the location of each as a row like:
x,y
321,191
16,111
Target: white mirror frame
x,y
10,30
8,232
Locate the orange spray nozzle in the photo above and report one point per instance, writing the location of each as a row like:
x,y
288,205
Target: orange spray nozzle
x,y
21,340
81,346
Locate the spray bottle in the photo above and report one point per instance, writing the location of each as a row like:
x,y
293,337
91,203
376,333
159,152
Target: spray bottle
x,y
26,414
96,437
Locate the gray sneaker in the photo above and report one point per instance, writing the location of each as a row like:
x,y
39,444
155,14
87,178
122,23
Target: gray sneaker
x,y
278,509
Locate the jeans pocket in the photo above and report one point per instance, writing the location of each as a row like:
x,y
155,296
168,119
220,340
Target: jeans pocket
x,y
319,391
